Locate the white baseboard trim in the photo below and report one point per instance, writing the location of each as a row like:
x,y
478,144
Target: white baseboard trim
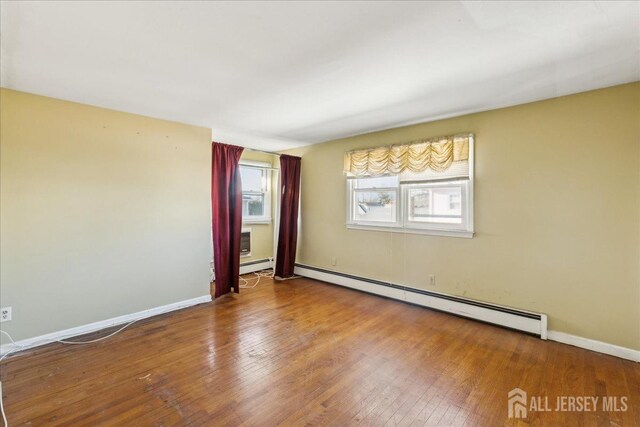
x,y
96,326
459,306
534,323
593,345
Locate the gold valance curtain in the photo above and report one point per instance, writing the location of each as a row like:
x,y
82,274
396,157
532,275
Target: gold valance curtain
x,y
437,154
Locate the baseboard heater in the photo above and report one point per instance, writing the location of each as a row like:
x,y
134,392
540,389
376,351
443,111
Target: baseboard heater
x,y
257,265
250,266
526,321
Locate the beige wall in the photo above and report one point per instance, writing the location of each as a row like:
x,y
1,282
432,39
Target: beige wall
x,y
262,234
103,213
557,214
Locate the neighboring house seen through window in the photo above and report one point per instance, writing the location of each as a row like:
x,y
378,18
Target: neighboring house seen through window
x,y
256,191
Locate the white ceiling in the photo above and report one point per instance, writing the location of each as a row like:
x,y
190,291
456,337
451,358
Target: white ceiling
x,y
275,75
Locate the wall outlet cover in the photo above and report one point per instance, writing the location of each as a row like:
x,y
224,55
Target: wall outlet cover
x,y
5,314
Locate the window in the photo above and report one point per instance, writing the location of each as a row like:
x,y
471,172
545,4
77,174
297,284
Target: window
x,y
256,191
455,201
419,206
427,202
375,200
436,205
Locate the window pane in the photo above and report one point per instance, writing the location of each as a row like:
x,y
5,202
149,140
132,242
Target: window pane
x,y
252,205
378,182
252,179
442,205
377,206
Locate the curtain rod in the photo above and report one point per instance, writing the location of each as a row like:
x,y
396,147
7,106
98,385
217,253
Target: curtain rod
x,y
262,151
258,167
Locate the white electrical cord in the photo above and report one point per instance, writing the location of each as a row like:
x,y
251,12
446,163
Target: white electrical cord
x,y
259,275
21,347
102,338
4,416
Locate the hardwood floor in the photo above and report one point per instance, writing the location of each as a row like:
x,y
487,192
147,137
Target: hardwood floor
x,y
304,352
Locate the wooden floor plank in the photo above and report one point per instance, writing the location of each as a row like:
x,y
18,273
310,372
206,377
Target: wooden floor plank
x,y
308,353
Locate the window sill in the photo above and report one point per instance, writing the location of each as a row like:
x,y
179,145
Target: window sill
x,y
443,233
257,221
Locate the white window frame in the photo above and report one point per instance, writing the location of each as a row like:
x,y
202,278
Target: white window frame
x,y
417,225
266,168
351,201
402,224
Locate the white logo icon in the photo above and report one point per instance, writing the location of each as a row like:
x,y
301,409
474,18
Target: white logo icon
x,y
517,403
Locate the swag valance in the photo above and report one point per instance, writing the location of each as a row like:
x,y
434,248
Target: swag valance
x,y
437,154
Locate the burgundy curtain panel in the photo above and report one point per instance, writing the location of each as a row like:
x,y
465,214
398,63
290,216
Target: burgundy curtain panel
x,y
226,209
289,202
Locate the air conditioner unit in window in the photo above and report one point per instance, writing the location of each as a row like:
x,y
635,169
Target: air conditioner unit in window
x,y
245,242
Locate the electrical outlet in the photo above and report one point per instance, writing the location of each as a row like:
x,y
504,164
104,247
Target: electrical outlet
x,y
5,314
432,280
334,261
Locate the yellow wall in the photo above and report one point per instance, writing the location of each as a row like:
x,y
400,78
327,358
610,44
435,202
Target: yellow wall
x,y
103,213
557,214
262,234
